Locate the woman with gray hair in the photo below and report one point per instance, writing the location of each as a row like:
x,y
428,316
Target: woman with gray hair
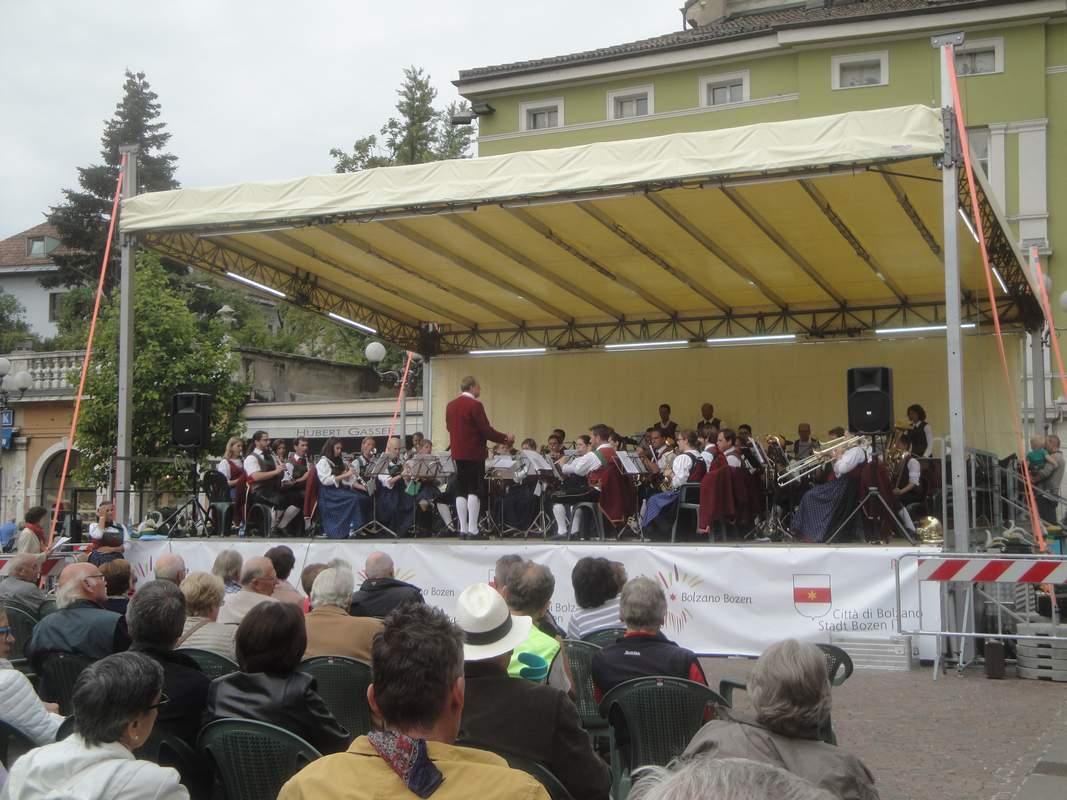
x,y
724,779
203,594
790,692
228,567
115,706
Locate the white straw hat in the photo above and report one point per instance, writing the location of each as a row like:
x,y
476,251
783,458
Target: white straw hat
x,y
488,628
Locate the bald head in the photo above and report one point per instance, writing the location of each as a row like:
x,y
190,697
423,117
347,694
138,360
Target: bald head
x,y
379,565
25,566
171,567
258,575
81,581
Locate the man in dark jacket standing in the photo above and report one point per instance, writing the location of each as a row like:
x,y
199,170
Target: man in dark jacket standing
x,y
381,592
468,429
514,715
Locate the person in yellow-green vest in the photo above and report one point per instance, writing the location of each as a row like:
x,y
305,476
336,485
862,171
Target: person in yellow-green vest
x,y
528,593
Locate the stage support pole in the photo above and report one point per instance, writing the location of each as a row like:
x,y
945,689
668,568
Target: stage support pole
x,y
951,161
123,465
427,399
1037,363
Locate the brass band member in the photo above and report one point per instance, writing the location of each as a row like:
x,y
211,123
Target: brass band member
x,y
575,488
749,449
597,464
688,466
726,445
395,508
707,436
707,417
368,452
343,508
921,438
265,484
666,425
804,445
824,505
297,472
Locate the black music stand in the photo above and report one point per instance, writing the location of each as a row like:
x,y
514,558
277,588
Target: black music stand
x,y
446,468
380,466
633,467
502,469
873,491
545,470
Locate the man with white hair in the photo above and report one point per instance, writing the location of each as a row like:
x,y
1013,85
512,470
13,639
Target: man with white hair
x,y
81,625
171,567
258,580
330,629
724,779
381,592
20,585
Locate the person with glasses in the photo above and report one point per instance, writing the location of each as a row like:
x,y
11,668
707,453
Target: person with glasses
x,y
116,701
20,707
81,625
258,580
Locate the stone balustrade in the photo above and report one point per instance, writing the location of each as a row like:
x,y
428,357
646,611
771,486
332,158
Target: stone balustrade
x,y
54,373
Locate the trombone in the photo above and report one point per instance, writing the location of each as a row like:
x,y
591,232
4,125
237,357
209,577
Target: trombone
x,y
805,466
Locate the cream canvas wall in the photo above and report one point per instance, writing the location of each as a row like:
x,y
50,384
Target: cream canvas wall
x,y
772,387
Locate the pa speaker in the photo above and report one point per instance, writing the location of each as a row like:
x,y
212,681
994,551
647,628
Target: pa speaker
x,y
190,420
870,399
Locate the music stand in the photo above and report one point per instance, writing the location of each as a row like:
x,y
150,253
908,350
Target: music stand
x,y
873,491
631,465
501,469
537,464
380,466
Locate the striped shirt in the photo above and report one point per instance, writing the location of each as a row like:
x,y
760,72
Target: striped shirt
x,y
590,620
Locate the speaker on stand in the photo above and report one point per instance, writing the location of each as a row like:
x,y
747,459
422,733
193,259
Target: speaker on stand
x,y
190,429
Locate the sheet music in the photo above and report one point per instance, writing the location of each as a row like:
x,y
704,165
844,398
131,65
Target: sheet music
x,y
537,461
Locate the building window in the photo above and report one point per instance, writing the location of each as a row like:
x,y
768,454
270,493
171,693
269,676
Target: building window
x,y
979,139
980,57
859,69
633,102
541,115
721,90
35,247
55,305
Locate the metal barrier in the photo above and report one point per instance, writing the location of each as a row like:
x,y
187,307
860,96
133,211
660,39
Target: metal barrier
x,y
968,571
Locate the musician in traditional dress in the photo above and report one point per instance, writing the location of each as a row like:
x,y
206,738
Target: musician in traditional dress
x,y
343,508
368,452
908,486
395,508
707,417
726,444
920,438
750,450
264,476
595,455
232,468
666,425
519,506
804,445
707,436
688,466
297,472
828,505
468,430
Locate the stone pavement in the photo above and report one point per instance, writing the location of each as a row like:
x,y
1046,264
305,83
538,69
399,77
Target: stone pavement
x,y
954,739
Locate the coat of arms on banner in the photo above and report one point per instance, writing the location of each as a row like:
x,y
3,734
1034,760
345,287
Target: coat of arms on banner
x,y
811,595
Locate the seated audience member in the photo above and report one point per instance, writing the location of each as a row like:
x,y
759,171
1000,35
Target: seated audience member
x,y
644,650
118,576
81,624
115,701
20,707
203,594
7,534
596,591
107,537
228,567
156,617
381,592
258,580
505,566
551,731
171,567
281,556
724,779
32,538
418,692
330,629
790,694
270,688
20,585
529,592
307,579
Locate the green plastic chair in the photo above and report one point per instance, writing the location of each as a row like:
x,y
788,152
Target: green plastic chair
x,y
59,672
685,503
605,637
342,684
580,658
47,607
652,720
253,759
22,622
13,743
836,660
211,664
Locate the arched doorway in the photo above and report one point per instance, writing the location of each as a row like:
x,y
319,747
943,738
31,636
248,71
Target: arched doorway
x,y
81,499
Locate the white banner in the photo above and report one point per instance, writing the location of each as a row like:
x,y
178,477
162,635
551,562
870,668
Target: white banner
x,y
720,600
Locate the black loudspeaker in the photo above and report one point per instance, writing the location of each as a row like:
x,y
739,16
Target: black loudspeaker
x,y
190,420
870,399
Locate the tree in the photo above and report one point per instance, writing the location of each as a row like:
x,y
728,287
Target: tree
x,y
175,352
82,220
419,134
14,330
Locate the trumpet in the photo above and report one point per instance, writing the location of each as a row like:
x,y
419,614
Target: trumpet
x,y
665,484
798,469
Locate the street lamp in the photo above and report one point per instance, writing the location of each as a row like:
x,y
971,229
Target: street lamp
x,y
375,353
17,382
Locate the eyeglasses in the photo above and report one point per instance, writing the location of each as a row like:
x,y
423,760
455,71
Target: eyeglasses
x,y
6,631
163,700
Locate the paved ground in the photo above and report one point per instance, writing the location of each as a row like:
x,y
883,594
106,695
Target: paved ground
x,y
954,739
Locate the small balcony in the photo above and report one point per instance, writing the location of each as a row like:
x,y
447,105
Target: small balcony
x,y
51,373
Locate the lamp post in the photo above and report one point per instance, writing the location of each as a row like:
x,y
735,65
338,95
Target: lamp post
x,y
12,382
375,353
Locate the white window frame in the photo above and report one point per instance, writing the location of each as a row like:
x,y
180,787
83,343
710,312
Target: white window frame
x,y
30,240
629,94
723,78
538,105
836,62
996,44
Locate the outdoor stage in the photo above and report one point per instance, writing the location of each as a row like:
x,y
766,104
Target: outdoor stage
x,y
721,599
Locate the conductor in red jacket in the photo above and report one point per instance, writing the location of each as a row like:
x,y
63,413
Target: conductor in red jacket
x,y
469,428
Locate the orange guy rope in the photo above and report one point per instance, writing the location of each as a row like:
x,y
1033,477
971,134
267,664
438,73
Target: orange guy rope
x,y
88,352
972,189
400,398
1035,259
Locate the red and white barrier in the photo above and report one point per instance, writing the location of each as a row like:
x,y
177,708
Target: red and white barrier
x,y
997,570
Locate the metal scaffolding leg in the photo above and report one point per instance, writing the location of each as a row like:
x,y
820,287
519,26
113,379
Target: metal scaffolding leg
x,y
124,451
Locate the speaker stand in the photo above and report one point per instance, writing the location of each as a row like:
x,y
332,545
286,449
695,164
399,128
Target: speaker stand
x,y
874,493
193,503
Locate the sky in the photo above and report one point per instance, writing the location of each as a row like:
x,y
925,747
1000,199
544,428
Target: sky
x,y
255,89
